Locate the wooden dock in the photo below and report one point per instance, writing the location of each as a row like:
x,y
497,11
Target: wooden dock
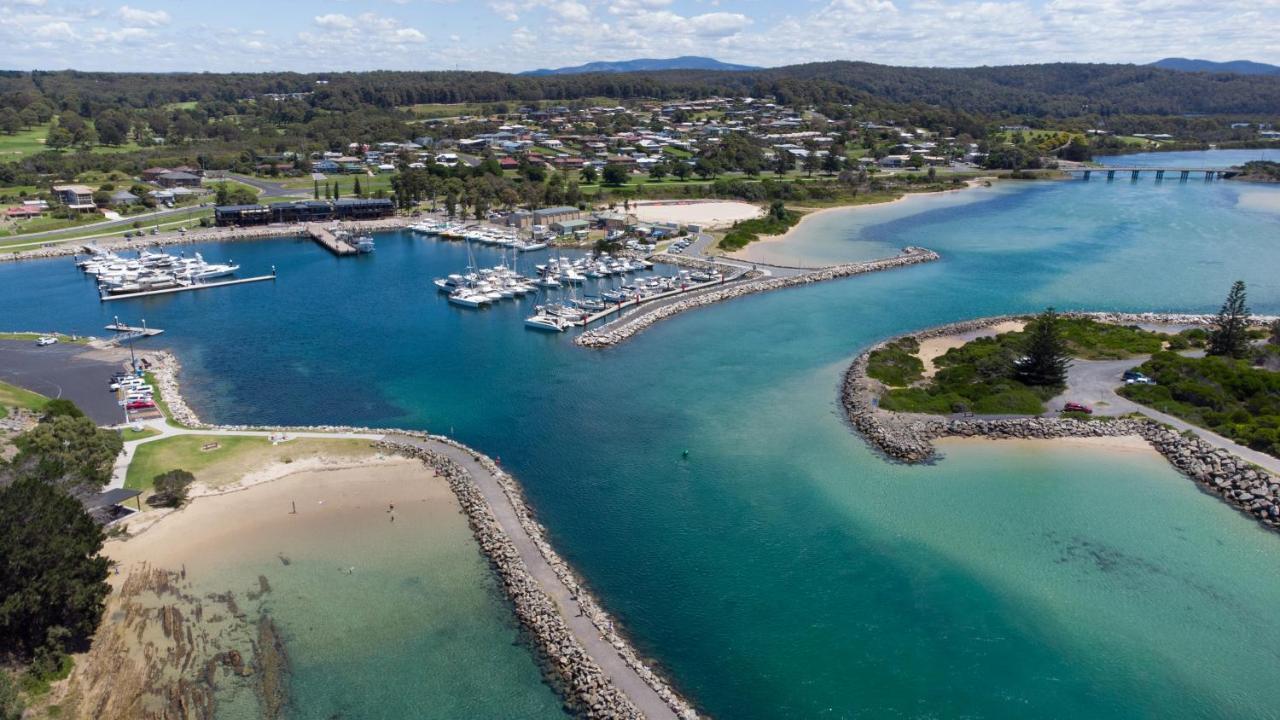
x,y
329,241
184,288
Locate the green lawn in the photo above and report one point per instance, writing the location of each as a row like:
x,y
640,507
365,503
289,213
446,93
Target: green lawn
x,y
14,396
43,223
189,219
129,434
429,111
33,336
232,459
24,142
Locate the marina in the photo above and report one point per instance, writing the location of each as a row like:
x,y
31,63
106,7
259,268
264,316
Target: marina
x,y
156,273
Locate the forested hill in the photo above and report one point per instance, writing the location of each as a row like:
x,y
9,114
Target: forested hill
x,y
1057,90
1243,67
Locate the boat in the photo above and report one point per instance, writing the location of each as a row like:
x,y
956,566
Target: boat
x,y
468,298
545,322
363,243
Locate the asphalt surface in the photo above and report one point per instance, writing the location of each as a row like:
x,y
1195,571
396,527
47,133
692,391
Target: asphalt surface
x,y
62,371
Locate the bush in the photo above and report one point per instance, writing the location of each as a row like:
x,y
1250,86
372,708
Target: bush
x,y
171,488
60,407
11,707
746,231
896,364
1224,395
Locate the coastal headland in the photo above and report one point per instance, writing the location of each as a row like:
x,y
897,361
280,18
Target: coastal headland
x,y
909,437
581,649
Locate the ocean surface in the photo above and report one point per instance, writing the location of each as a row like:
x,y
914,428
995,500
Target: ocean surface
x,y
783,569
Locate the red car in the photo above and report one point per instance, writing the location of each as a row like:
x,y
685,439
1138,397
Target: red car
x,y
140,405
1077,407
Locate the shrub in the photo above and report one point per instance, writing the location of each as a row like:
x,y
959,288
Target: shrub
x,y
896,364
171,488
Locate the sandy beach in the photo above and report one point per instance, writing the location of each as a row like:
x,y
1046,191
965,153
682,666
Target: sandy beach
x,y
934,348
218,529
708,214
763,245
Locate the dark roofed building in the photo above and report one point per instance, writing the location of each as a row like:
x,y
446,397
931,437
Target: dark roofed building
x,y
225,215
176,178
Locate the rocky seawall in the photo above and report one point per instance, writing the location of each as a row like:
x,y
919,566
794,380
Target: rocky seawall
x,y
907,437
587,690
623,329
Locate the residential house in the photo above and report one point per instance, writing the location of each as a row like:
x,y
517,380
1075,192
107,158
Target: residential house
x,y
176,178
75,197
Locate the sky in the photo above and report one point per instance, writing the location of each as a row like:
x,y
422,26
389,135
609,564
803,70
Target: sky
x,y
515,35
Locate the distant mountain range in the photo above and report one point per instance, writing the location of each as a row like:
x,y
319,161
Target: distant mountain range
x,y
1240,67
687,62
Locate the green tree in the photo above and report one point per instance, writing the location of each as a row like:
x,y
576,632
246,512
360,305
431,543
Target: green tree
x,y
70,451
112,127
588,174
60,407
317,189
831,163
356,190
52,580
58,138
1230,336
783,162
615,174
336,192
812,163
778,210
171,488
1046,361
681,169
658,170
10,121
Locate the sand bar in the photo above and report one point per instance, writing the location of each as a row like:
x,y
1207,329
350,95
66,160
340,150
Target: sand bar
x,y
714,213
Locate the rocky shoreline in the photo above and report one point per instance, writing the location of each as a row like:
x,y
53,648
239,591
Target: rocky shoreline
x,y
909,437
64,248
588,691
623,329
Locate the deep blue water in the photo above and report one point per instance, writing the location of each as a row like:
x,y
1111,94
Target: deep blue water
x,y
784,570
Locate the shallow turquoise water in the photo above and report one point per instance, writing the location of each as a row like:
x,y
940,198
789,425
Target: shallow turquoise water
x,y
784,570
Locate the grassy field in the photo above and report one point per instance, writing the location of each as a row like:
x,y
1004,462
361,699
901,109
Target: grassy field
x,y
43,223
32,337
22,143
129,434
189,219
232,459
13,396
158,397
427,111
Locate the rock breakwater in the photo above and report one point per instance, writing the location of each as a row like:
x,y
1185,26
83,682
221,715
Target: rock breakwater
x,y
623,329
909,438
587,689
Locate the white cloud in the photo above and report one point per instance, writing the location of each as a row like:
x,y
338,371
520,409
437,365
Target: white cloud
x,y
335,21
57,30
136,17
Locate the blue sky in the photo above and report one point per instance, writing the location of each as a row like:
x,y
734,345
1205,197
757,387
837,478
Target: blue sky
x,y
513,35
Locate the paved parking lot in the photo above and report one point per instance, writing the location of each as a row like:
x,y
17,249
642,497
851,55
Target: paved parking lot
x,y
64,371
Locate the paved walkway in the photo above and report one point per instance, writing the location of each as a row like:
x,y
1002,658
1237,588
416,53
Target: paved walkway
x,y
623,677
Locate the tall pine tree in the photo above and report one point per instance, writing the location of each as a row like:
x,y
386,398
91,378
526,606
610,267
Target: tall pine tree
x,y
1047,360
356,190
1230,337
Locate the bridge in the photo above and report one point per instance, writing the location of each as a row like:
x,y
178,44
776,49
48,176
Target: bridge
x,y
1134,171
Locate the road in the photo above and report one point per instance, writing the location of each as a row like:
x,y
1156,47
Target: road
x,y
269,187
123,223
64,371
1094,382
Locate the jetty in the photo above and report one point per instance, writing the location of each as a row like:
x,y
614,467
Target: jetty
x,y
125,333
185,288
330,241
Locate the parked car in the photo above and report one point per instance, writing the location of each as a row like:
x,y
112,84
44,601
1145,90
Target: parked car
x,y
140,404
46,340
1077,407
